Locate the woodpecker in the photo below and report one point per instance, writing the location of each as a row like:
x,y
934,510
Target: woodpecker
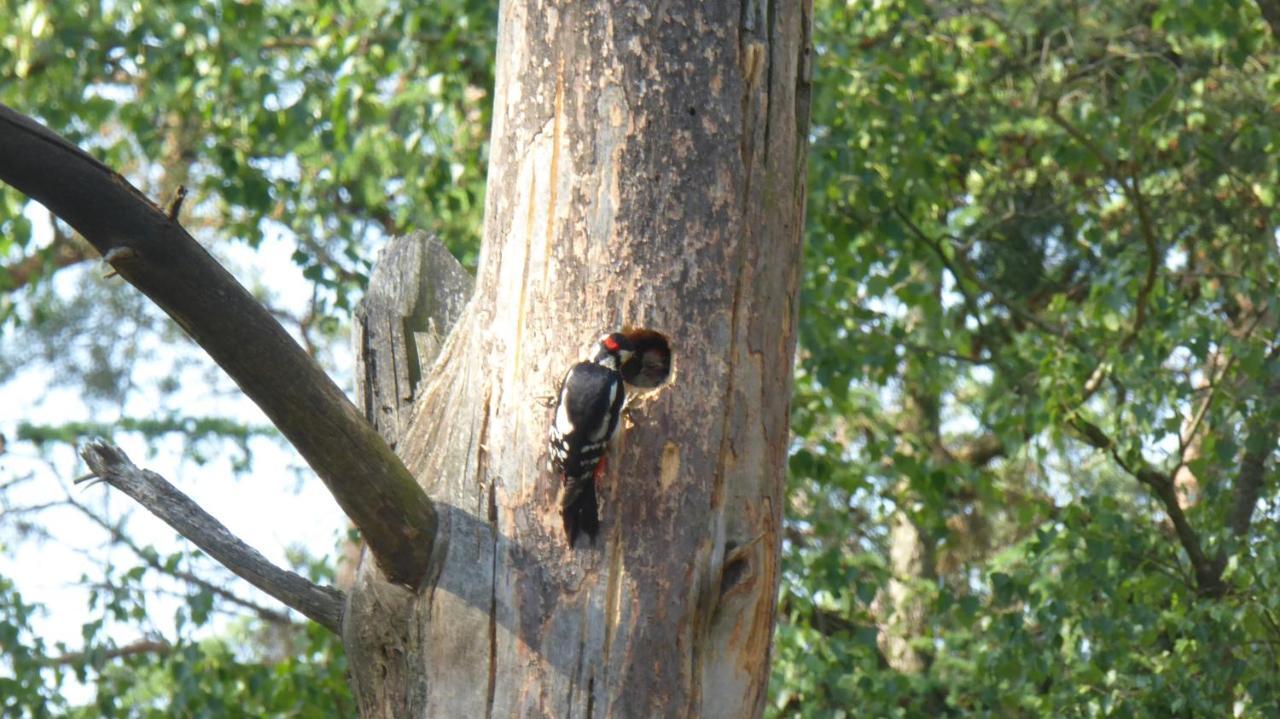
x,y
587,413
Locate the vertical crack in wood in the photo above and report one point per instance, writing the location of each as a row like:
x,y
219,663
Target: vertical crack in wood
x,y
488,494
524,275
555,171
365,370
612,589
481,471
803,91
707,596
582,652
395,403
771,43
482,463
493,626
413,364
751,55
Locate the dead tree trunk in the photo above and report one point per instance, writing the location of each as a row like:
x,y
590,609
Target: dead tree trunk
x,y
647,170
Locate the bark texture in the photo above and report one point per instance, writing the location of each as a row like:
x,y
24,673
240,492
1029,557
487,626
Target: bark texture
x,y
647,169
415,296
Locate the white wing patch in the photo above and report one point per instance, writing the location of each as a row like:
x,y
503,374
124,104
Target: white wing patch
x,y
563,426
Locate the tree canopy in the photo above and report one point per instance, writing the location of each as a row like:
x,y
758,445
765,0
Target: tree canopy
x,y
1035,425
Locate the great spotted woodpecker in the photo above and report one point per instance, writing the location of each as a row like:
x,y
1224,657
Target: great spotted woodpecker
x,y
587,413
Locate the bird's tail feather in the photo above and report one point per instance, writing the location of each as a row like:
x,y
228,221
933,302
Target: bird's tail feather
x,y
579,511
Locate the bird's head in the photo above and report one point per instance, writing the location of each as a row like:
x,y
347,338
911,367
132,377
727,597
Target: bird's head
x,y
615,350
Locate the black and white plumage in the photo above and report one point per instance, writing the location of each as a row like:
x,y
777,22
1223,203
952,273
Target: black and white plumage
x,y
587,413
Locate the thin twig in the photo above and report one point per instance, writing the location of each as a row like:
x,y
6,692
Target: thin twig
x,y
1208,576
324,605
141,646
936,247
1132,189
175,205
153,561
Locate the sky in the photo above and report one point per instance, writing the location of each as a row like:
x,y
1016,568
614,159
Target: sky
x,y
276,505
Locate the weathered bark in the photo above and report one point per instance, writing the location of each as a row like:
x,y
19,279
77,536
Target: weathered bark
x,y
415,296
902,608
646,170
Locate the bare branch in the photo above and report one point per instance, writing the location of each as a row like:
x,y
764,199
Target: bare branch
x,y
62,252
156,495
141,646
9,512
155,254
1208,575
1259,446
151,560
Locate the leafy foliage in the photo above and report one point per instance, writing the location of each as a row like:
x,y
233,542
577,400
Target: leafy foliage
x,y
1035,408
259,669
339,122
24,690
1035,418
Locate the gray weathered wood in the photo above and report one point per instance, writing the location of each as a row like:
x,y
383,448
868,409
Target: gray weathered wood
x,y
318,603
647,168
416,293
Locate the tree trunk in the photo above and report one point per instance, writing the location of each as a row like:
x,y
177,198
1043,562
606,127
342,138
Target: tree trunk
x,y
647,170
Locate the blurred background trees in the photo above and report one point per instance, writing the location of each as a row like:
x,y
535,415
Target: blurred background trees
x,y
1037,410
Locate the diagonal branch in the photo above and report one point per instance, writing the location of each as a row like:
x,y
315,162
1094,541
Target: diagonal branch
x,y
935,245
155,254
1259,446
62,252
132,649
321,604
153,561
1208,575
970,303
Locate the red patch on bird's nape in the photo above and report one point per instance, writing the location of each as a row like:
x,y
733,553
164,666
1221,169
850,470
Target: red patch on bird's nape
x,y
611,344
